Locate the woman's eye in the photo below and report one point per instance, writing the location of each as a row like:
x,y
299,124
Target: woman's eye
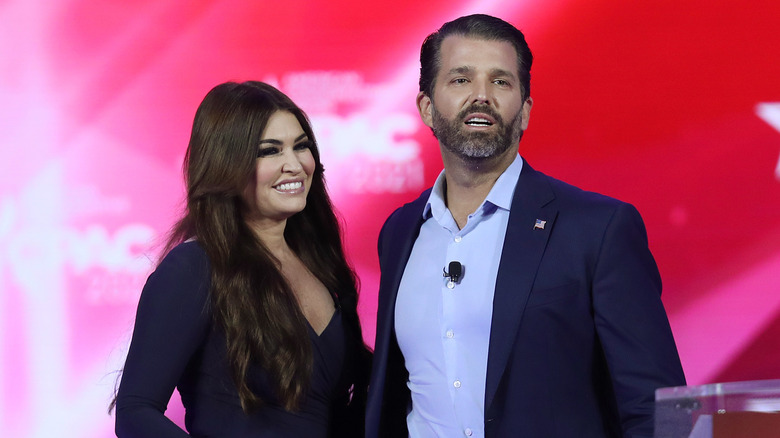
x,y
303,145
267,152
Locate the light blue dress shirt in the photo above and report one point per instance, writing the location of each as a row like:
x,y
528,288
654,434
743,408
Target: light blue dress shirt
x,y
443,329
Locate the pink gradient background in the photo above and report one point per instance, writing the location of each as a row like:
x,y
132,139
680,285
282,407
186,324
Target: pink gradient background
x,y
673,106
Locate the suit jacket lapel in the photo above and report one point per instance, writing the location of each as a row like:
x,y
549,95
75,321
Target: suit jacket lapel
x,y
522,252
395,251
395,246
402,229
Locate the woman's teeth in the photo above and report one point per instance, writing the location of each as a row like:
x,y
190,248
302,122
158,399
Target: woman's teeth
x,y
289,186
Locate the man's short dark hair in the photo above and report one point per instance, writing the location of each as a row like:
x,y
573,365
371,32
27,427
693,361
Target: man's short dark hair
x,y
478,26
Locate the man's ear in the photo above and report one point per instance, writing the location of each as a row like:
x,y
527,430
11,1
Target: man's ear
x,y
424,107
527,105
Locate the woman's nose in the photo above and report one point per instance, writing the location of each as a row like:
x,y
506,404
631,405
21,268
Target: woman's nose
x,y
291,162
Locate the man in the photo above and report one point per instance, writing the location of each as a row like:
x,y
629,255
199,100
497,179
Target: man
x,y
510,303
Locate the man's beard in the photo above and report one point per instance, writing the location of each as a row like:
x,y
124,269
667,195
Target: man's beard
x,y
477,146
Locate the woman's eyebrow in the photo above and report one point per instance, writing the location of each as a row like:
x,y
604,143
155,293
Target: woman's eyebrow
x,y
278,142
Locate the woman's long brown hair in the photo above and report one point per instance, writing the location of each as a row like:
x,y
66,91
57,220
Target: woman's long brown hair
x,y
251,300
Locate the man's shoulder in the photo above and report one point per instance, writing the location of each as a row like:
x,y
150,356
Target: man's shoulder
x,y
411,208
568,194
402,223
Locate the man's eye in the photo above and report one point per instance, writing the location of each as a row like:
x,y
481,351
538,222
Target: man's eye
x,y
267,152
460,81
501,82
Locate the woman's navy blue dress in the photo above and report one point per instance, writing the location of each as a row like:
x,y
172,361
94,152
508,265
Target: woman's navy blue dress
x,y
177,344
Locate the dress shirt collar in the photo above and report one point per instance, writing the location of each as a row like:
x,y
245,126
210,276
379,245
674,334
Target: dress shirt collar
x,y
500,195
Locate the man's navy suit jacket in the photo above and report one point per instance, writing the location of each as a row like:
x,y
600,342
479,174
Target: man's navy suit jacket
x,y
579,338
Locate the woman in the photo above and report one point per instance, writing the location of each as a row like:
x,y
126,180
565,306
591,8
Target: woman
x,y
252,312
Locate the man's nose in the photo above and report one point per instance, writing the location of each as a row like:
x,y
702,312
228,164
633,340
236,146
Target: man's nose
x,y
482,92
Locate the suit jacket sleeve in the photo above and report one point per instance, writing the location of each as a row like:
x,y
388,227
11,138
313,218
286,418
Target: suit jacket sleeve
x,y
631,321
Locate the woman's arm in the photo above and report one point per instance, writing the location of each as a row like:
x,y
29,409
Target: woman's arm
x,y
172,322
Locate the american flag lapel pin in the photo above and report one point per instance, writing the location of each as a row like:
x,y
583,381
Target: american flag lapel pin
x,y
539,225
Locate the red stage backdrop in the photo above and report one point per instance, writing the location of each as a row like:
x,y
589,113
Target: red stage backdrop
x,y
673,106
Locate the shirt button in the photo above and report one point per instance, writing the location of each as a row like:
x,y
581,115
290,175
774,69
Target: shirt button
x,y
450,334
468,431
456,384
458,239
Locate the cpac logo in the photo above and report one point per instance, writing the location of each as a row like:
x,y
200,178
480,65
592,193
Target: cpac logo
x,y
371,154
770,113
41,249
365,131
